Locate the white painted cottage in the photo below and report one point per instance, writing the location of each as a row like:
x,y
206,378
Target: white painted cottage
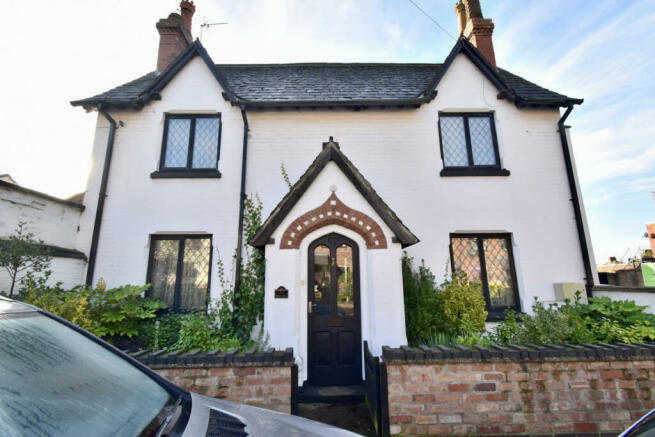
x,y
53,220
459,163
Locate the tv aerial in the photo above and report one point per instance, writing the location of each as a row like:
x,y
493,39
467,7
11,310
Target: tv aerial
x,y
206,25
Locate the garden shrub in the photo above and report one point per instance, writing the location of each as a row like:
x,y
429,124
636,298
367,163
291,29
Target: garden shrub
x,y
461,306
108,313
453,312
421,306
602,320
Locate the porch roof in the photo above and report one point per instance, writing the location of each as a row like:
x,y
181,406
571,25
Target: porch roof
x,y
332,153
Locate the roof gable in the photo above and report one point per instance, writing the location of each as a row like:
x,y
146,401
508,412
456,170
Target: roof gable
x,y
511,87
312,85
137,93
332,153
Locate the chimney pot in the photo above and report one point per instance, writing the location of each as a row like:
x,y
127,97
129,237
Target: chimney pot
x,y
187,8
476,28
460,11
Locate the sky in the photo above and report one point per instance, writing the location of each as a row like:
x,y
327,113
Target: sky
x,y
602,51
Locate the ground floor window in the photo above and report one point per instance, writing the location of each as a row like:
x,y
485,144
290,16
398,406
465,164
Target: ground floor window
x,y
179,270
487,259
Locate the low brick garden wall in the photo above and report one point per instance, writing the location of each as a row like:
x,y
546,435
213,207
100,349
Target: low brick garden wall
x,y
262,379
590,389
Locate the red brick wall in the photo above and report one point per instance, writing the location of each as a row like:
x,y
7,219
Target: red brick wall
x,y
523,397
262,386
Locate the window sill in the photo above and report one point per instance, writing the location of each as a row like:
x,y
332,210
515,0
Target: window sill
x,y
181,174
473,171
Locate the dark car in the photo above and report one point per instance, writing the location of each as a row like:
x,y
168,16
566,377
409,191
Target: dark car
x,y
56,379
644,427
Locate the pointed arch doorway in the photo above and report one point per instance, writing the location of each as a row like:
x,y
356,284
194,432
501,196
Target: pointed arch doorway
x,y
334,321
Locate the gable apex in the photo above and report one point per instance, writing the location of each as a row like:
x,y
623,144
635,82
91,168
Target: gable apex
x,y
332,153
151,92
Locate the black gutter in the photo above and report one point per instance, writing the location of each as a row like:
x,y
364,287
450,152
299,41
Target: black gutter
x,y
101,197
242,200
575,199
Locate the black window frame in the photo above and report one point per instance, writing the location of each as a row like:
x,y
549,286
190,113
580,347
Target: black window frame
x,y
472,169
494,313
188,171
178,269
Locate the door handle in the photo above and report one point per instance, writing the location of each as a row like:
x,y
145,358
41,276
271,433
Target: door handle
x,y
309,307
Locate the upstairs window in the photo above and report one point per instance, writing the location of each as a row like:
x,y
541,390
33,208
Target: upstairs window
x,y
488,262
468,145
179,270
190,146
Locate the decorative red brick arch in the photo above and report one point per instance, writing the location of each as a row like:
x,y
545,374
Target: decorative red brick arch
x,y
334,212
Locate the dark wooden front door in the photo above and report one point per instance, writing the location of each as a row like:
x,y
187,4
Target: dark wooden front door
x,y
334,337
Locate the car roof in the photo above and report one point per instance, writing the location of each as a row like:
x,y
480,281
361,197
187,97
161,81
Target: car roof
x,y
8,306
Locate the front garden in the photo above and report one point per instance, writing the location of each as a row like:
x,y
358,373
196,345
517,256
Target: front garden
x,y
447,314
454,313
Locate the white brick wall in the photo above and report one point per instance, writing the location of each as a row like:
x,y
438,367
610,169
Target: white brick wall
x,y
53,222
396,150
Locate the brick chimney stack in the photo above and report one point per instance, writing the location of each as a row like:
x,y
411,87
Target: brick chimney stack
x,y
474,27
174,34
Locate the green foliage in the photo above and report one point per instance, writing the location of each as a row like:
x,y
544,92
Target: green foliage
x,y
241,310
421,306
120,311
461,306
200,331
162,332
72,305
601,320
108,313
285,176
455,311
21,252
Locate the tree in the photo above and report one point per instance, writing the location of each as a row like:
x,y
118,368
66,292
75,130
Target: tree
x,y
21,252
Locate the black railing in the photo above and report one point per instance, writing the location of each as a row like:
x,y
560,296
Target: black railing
x,y
377,399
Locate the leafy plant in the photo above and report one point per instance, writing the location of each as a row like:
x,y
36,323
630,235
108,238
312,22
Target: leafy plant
x,y
461,306
421,305
199,331
109,313
602,320
285,176
119,312
240,310
21,252
454,311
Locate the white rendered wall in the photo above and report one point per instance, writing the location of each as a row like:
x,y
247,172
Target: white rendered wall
x,y
381,297
640,297
53,222
398,152
138,206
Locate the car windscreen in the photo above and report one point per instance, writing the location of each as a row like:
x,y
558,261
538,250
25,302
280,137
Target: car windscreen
x,y
56,382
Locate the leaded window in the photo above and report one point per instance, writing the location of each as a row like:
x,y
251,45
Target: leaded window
x,y
179,270
191,142
487,261
468,141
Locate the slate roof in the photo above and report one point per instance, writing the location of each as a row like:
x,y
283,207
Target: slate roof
x,y
332,153
329,84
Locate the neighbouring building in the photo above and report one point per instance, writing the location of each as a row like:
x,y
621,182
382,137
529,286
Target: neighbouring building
x,y
461,163
53,220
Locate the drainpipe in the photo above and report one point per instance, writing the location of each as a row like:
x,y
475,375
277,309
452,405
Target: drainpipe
x,y
242,199
101,196
575,200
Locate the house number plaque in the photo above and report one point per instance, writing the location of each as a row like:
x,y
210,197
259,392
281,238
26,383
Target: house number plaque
x,y
281,293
